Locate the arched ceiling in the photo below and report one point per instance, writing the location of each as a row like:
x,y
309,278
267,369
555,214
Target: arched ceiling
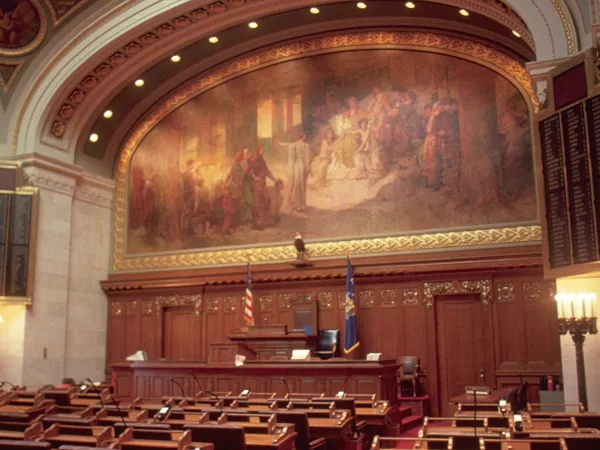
x,y
75,80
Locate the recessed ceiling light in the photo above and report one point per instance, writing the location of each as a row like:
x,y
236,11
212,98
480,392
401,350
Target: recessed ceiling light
x,y
463,12
253,25
93,137
409,5
361,5
175,58
108,114
139,83
516,33
314,10
213,39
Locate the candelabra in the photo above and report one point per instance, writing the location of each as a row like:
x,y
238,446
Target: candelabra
x,y
577,316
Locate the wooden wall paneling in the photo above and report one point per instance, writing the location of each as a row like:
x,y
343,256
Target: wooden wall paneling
x,y
283,308
386,321
133,327
266,310
510,351
413,331
367,328
115,336
150,339
232,314
213,320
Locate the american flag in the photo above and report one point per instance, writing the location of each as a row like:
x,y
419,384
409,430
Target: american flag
x,y
248,311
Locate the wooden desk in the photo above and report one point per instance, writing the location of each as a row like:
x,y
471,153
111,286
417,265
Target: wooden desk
x,y
76,435
151,378
493,397
270,442
270,340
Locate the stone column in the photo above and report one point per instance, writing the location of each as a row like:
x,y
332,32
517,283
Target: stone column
x,y
63,334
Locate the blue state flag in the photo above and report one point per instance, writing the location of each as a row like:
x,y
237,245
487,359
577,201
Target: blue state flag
x,y
351,341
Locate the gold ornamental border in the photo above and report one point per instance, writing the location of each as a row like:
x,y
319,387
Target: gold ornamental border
x,y
430,42
28,48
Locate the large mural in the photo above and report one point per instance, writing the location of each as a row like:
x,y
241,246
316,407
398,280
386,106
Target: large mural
x,y
364,143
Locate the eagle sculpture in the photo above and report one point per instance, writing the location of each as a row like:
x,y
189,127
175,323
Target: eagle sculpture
x,y
300,248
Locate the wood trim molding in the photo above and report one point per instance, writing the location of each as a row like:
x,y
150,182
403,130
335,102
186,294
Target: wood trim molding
x,y
482,287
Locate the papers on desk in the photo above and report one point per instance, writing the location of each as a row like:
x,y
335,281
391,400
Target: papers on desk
x,y
140,355
239,360
300,355
374,357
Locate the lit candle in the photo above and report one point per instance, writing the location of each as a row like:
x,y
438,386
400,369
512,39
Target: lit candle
x,y
592,297
570,304
560,301
579,309
587,305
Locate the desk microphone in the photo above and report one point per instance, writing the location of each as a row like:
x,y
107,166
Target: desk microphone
x,y
197,382
95,389
12,386
218,399
180,387
287,387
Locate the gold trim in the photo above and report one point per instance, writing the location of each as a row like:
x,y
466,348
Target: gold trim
x,y
13,76
56,20
482,287
431,42
38,39
25,301
566,26
179,300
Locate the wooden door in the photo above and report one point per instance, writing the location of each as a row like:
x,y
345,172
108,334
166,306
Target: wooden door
x,y
177,333
461,346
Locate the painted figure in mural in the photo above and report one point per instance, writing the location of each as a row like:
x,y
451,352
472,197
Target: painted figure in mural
x,y
232,195
349,141
324,158
259,172
202,205
188,211
298,169
19,23
516,163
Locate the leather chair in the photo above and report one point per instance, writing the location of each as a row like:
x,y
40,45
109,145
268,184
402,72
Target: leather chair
x,y
224,437
300,422
409,371
327,343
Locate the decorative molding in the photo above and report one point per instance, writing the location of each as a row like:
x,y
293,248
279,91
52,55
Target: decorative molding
x,y
116,309
531,292
505,293
35,43
483,54
285,301
49,181
61,10
96,191
302,299
552,289
411,296
146,308
342,301
126,54
388,298
180,300
212,305
265,303
325,300
366,299
8,73
482,287
566,24
130,308
230,304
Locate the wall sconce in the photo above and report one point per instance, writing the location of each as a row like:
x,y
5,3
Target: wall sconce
x,y
577,316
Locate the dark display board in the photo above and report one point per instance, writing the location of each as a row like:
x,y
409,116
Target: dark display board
x,y
570,86
593,125
559,243
579,186
16,213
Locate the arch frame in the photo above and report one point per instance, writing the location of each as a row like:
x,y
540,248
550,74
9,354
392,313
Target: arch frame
x,y
439,43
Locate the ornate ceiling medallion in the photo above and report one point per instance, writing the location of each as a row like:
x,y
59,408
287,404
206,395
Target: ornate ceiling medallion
x,y
22,27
